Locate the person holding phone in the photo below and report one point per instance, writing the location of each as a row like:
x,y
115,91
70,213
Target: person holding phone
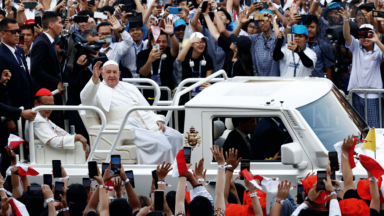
x,y
82,25
28,14
295,59
28,32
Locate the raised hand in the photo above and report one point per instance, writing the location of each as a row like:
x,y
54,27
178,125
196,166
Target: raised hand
x,y
115,24
283,190
96,72
244,17
47,192
347,144
199,169
218,155
345,13
5,77
168,27
64,198
163,170
374,38
313,193
232,158
107,174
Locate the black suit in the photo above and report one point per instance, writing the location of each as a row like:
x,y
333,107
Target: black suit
x,y
45,68
22,87
235,140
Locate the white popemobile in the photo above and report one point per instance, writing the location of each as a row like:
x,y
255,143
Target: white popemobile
x,y
314,112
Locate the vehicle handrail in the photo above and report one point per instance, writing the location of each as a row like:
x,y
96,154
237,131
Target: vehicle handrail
x,y
199,82
365,91
125,121
72,108
146,80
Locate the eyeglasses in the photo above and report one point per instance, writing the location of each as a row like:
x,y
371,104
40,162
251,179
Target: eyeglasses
x,y
13,31
252,27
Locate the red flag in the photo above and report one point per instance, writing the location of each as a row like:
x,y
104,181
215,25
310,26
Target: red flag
x,y
179,165
18,207
14,141
372,166
26,170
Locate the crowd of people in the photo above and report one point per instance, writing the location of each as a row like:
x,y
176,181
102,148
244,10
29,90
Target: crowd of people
x,y
107,195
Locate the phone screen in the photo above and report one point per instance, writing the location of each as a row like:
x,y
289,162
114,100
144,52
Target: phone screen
x,y
115,163
48,180
56,165
21,39
35,190
300,190
204,6
154,176
187,154
321,175
129,175
58,189
104,166
92,169
245,164
159,201
108,39
38,20
87,183
334,160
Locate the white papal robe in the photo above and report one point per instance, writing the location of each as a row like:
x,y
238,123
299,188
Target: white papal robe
x,y
152,146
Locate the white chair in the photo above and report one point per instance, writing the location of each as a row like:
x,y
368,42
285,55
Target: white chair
x,y
218,130
229,126
125,147
45,154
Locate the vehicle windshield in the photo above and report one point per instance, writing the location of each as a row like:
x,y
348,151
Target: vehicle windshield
x,y
332,119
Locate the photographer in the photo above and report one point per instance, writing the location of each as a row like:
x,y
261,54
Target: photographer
x,y
367,55
77,79
81,26
295,59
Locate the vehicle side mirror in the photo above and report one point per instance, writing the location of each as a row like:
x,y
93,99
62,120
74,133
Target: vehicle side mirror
x,y
292,154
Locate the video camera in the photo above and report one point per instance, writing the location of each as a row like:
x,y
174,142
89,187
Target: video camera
x,y
335,33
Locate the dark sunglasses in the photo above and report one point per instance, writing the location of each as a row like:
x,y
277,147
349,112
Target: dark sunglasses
x,y
13,31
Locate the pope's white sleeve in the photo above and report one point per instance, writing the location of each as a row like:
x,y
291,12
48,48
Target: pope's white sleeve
x,y
334,208
46,135
299,208
89,93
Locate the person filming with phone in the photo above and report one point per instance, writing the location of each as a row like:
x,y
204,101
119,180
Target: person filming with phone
x,y
296,60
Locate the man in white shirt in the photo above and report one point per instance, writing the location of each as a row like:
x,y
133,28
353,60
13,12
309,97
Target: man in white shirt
x,y
296,60
155,142
48,132
367,54
114,51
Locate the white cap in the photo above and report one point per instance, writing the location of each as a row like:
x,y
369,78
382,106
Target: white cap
x,y
110,62
197,34
368,26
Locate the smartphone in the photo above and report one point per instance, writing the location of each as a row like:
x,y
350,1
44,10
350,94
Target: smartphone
x,y
56,165
91,2
108,39
265,5
38,21
333,158
100,15
378,13
115,163
300,190
129,175
58,190
333,177
21,39
187,154
204,6
159,201
157,47
35,190
126,8
143,2
80,19
30,5
87,184
290,38
47,178
175,10
245,164
92,169
104,166
154,176
321,175
63,15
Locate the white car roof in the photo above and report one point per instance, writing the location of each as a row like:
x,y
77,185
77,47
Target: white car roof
x,y
254,92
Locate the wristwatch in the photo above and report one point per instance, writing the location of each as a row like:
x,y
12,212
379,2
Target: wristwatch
x,y
122,30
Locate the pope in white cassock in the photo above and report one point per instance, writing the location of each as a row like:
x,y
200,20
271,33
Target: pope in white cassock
x,y
155,142
47,131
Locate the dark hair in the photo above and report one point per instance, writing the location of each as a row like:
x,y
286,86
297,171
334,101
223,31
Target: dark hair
x,y
200,206
232,198
311,19
171,201
85,13
240,191
355,2
78,196
117,206
4,23
103,24
49,17
89,32
107,8
3,13
28,27
245,59
236,121
144,201
33,203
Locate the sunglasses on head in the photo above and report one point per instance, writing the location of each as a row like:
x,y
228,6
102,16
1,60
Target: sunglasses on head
x,y
13,31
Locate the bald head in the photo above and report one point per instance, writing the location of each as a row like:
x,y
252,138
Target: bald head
x,y
111,75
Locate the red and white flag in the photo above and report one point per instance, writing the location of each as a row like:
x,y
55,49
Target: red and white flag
x,y
372,166
14,141
248,176
179,165
26,170
18,207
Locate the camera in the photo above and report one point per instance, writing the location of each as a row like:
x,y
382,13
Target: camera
x,y
335,33
364,34
378,13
